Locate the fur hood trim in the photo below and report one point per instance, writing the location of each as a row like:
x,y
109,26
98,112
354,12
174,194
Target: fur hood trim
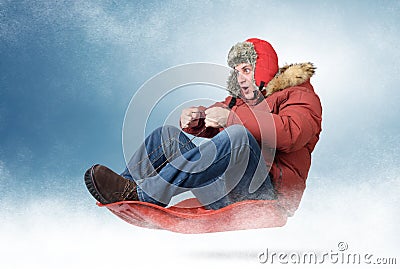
x,y
242,52
289,76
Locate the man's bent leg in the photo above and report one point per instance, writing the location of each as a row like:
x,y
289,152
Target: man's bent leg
x,y
213,170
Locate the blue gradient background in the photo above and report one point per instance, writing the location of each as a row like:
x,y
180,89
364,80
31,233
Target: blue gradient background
x,y
68,70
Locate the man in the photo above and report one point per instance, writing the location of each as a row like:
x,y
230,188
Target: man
x,y
268,110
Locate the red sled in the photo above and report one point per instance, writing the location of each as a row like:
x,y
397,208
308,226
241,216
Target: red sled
x,y
189,217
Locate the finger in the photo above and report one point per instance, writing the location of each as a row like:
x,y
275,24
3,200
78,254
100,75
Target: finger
x,y
185,123
187,119
195,115
212,109
210,114
194,109
210,123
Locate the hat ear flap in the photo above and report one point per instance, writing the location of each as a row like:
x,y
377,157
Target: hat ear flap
x,y
233,85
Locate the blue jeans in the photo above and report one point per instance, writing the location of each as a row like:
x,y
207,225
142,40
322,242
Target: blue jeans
x,y
224,170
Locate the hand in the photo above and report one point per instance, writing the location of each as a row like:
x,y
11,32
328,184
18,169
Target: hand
x,y
190,117
216,117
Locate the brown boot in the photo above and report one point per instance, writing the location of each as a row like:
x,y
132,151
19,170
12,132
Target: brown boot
x,y
109,187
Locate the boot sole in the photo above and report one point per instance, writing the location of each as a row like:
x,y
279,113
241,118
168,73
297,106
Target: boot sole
x,y
91,186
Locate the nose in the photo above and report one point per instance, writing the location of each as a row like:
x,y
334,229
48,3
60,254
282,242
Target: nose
x,y
240,78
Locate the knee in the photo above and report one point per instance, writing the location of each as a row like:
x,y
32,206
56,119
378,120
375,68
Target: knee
x,y
237,134
236,128
164,132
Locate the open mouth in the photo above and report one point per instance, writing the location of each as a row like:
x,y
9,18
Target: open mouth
x,y
245,89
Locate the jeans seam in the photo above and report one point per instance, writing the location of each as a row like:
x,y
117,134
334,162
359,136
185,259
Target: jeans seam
x,y
139,191
156,158
162,153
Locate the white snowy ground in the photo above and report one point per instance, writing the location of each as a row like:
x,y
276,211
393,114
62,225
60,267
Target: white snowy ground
x,y
51,233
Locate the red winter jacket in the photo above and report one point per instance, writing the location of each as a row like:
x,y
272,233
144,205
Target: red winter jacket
x,y
291,113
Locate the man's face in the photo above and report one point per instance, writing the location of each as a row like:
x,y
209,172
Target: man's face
x,y
245,74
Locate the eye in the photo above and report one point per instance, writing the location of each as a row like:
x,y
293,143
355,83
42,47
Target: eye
x,y
247,70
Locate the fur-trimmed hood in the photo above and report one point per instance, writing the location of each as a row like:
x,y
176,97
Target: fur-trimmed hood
x,y
267,76
289,76
260,54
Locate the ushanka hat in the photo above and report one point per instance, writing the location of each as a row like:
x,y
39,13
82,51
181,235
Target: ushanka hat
x,y
260,54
